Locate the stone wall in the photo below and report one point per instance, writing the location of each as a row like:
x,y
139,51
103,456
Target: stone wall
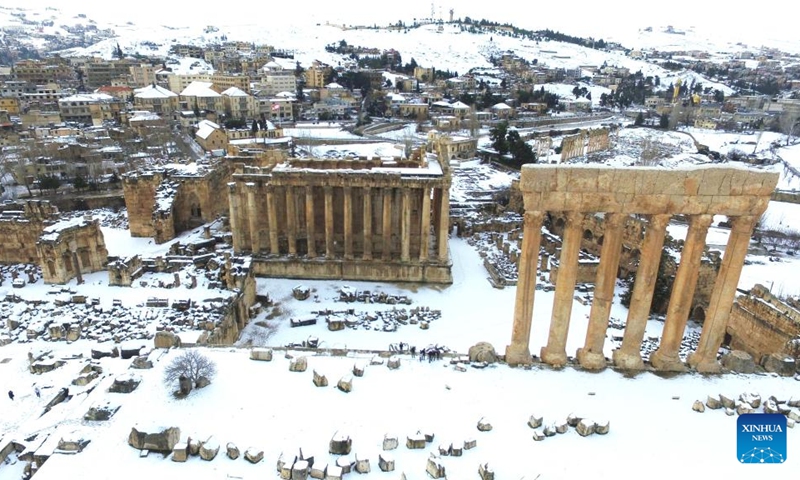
x,y
71,248
761,324
21,224
122,272
163,203
140,193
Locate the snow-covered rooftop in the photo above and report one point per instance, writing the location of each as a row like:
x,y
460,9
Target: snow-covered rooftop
x,y
235,92
206,128
199,89
154,91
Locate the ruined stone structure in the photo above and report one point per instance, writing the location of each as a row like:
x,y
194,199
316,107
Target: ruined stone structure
x,y
598,140
71,248
366,219
572,146
699,192
542,146
584,143
592,240
21,225
167,201
762,324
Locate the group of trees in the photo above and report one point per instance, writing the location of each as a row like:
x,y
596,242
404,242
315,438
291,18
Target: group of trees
x,y
538,96
506,141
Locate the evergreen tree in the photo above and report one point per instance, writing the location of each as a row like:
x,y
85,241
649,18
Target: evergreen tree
x,y
639,119
498,136
254,127
663,121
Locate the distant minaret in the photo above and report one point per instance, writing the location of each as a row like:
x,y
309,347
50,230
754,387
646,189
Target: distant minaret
x,y
433,11
451,15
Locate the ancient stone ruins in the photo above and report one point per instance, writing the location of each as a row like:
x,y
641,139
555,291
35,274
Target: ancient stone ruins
x,y
360,219
583,143
697,192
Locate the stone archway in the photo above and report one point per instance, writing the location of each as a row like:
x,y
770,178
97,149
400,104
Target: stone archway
x,y
699,314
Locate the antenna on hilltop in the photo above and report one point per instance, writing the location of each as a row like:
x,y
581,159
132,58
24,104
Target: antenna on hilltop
x,y
433,11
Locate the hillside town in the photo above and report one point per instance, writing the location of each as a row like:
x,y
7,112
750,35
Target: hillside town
x,y
358,206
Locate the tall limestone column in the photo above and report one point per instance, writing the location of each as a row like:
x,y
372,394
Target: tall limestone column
x,y
272,210
235,221
405,226
310,230
291,219
680,301
591,355
628,356
518,352
555,352
719,306
348,223
255,235
387,224
437,212
367,223
425,225
444,225
329,252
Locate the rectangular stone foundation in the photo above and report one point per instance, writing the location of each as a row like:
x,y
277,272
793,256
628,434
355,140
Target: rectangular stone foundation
x,y
351,270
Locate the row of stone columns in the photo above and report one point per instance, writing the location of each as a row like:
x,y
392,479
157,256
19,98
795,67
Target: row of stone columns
x,y
628,356
253,210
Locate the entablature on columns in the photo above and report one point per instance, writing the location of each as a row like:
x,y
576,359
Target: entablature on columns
x,y
338,179
712,190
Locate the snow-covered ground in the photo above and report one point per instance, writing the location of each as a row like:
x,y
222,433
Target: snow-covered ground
x,y
263,405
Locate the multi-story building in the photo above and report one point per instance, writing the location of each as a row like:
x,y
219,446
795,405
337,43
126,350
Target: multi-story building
x,y
143,75
44,96
10,105
179,82
276,79
156,99
89,108
39,71
239,104
200,96
315,75
101,72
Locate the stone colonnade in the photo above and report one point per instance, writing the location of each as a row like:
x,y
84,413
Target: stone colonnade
x,y
363,219
698,193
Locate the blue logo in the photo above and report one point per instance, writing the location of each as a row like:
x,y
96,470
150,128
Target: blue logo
x,y
761,438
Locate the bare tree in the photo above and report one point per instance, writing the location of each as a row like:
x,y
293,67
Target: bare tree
x,y
192,365
788,122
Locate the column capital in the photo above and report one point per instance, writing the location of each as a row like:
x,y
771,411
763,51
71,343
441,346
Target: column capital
x,y
574,217
534,217
659,221
614,220
702,221
309,189
743,224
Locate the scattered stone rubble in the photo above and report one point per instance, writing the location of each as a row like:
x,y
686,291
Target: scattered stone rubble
x,y
382,321
583,426
751,403
350,295
71,317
